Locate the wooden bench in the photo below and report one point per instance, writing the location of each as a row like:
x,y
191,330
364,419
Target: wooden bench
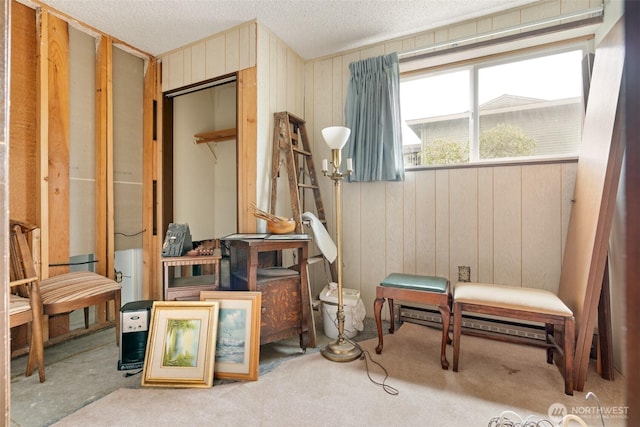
x,y
527,304
417,289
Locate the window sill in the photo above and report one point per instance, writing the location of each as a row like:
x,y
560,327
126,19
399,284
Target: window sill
x,y
497,163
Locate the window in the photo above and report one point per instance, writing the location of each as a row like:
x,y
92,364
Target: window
x,y
527,107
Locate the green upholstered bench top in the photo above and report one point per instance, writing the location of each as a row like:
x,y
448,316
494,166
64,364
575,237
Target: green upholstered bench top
x,y
416,283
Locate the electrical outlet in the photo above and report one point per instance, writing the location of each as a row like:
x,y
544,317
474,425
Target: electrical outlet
x,y
464,273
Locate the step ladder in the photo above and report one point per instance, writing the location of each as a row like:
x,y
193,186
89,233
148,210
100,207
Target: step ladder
x,y
290,139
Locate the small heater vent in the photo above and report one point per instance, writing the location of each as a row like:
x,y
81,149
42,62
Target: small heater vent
x,y
432,318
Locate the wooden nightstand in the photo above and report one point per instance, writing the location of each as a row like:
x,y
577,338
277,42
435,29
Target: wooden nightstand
x,y
286,308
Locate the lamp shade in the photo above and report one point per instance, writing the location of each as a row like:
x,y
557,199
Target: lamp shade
x,y
336,136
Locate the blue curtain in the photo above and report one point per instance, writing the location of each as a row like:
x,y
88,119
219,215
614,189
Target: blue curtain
x,y
372,112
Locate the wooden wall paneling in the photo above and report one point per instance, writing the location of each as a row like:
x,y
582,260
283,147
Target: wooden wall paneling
x,y
5,96
425,222
175,66
352,240
541,226
282,83
595,192
409,224
214,64
325,91
104,158
507,225
247,45
22,127
373,244
632,202
187,64
486,262
198,62
247,147
463,202
568,186
232,48
394,226
150,249
442,223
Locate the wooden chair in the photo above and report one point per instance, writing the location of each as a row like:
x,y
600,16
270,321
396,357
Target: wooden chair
x,y
25,306
69,291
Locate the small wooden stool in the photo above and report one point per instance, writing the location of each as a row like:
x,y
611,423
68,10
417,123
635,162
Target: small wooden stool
x,y
419,289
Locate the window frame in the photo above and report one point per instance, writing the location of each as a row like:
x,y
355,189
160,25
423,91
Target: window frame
x,y
473,65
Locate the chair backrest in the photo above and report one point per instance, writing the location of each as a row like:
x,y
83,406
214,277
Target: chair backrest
x,y
21,265
28,307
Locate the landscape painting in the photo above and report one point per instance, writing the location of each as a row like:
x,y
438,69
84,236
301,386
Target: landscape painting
x,y
181,345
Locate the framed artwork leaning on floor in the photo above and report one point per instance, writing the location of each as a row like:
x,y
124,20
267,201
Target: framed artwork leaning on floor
x,y
238,337
181,345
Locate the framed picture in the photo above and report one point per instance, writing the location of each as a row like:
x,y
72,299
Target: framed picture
x,y
181,345
238,338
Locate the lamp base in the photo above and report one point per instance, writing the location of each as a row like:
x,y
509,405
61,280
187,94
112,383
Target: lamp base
x,y
341,351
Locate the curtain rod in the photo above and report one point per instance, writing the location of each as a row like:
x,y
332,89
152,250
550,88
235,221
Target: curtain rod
x,y
589,16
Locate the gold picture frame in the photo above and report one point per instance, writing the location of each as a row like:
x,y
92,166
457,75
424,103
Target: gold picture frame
x,y
181,345
238,336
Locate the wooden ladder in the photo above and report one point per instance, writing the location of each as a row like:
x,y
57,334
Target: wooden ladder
x,y
290,137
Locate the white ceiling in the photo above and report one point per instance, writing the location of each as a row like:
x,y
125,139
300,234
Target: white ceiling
x,y
312,28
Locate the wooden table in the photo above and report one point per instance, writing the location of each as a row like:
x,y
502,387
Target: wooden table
x,y
189,282
286,307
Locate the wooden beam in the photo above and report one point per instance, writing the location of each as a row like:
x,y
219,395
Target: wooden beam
x,y
23,130
42,138
151,252
104,158
58,145
247,142
5,95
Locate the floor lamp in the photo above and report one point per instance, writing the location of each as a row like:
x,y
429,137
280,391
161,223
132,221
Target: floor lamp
x,y
336,137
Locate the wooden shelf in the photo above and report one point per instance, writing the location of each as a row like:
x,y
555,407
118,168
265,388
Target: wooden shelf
x,y
215,136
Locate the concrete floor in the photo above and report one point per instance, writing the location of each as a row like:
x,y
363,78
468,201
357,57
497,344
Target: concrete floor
x,y
84,370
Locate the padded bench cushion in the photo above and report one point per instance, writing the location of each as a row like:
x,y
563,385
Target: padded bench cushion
x,y
511,297
79,284
416,282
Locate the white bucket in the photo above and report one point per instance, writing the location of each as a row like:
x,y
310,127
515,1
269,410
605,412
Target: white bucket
x,y
354,311
330,321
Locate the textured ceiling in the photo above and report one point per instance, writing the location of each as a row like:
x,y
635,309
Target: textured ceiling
x,y
312,28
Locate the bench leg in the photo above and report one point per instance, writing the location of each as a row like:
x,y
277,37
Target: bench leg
x,y
377,311
549,329
445,313
568,348
457,332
